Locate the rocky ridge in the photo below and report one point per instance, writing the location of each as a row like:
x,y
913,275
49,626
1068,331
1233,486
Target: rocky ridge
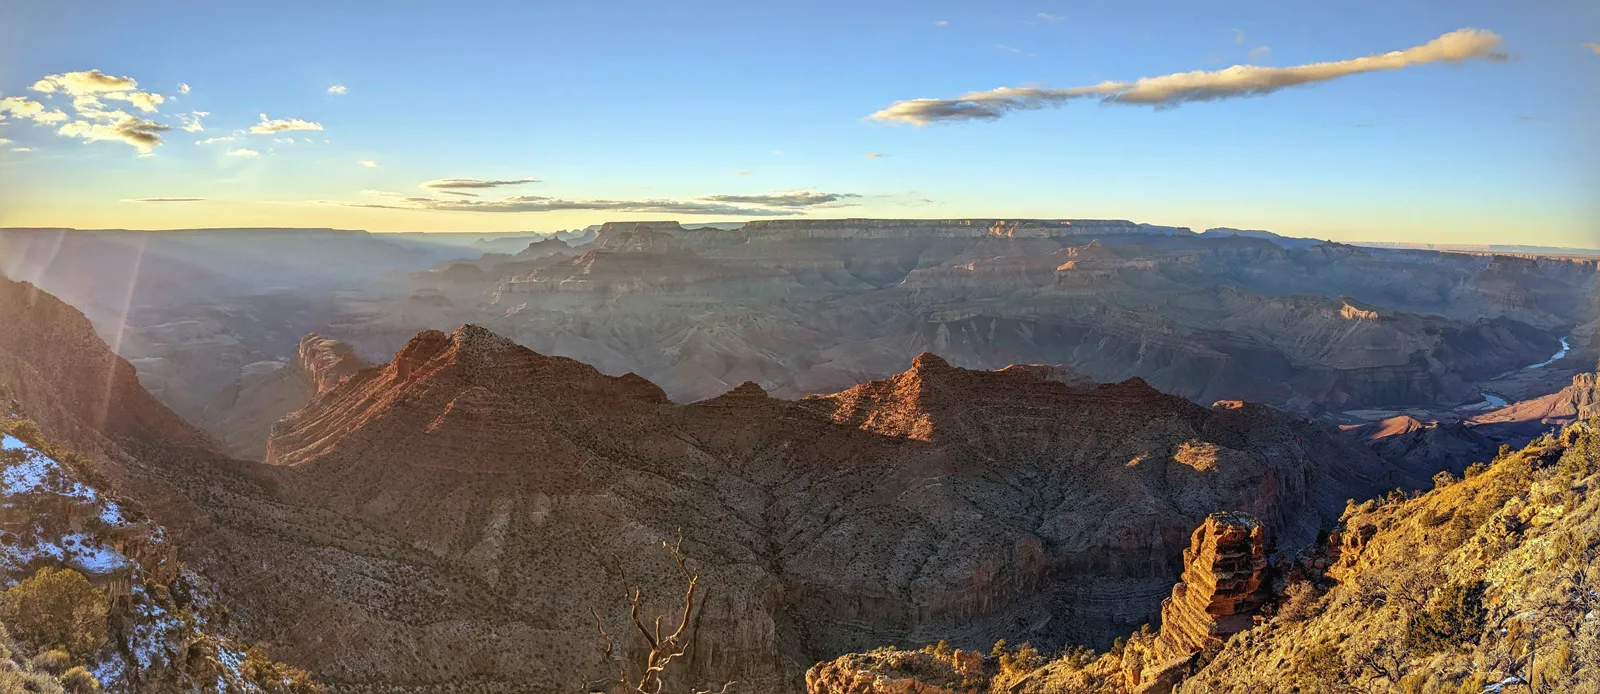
x,y
943,501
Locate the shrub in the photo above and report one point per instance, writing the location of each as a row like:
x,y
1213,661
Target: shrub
x,y
1456,617
53,661
56,609
79,681
1321,666
1015,664
1475,469
1300,601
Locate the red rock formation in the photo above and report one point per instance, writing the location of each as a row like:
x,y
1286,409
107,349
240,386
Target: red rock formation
x,y
1220,591
327,362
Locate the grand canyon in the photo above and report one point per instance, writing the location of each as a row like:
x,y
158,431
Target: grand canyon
x,y
860,433
825,347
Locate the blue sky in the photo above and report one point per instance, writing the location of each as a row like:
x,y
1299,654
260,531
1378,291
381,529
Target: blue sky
x,y
693,104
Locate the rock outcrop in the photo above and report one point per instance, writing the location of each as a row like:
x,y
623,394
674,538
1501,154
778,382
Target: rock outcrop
x,y
1221,589
242,416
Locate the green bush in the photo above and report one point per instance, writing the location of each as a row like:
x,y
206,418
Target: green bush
x,y
1456,617
56,609
79,681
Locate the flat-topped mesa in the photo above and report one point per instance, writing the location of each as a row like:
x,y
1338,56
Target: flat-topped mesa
x,y
669,227
792,229
327,361
642,238
1217,596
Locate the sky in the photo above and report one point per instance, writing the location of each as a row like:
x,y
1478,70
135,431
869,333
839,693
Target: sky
x,y
1430,121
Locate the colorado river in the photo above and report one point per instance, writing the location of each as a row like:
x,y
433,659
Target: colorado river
x,y
1553,358
1497,401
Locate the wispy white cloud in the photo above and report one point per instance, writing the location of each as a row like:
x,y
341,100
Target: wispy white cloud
x,y
368,163
471,183
1260,53
268,126
164,200
1593,47
242,152
1238,36
778,153
743,173
1176,89
1047,18
214,140
183,88
942,23
191,121
338,90
874,155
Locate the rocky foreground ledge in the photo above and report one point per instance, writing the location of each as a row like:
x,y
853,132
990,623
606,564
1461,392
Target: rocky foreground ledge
x,y
1221,591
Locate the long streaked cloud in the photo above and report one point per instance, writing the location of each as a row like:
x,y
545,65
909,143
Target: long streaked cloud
x,y
474,183
164,200
780,204
243,152
269,126
785,199
1168,91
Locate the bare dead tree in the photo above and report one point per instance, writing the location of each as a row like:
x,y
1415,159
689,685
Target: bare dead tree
x,y
664,648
